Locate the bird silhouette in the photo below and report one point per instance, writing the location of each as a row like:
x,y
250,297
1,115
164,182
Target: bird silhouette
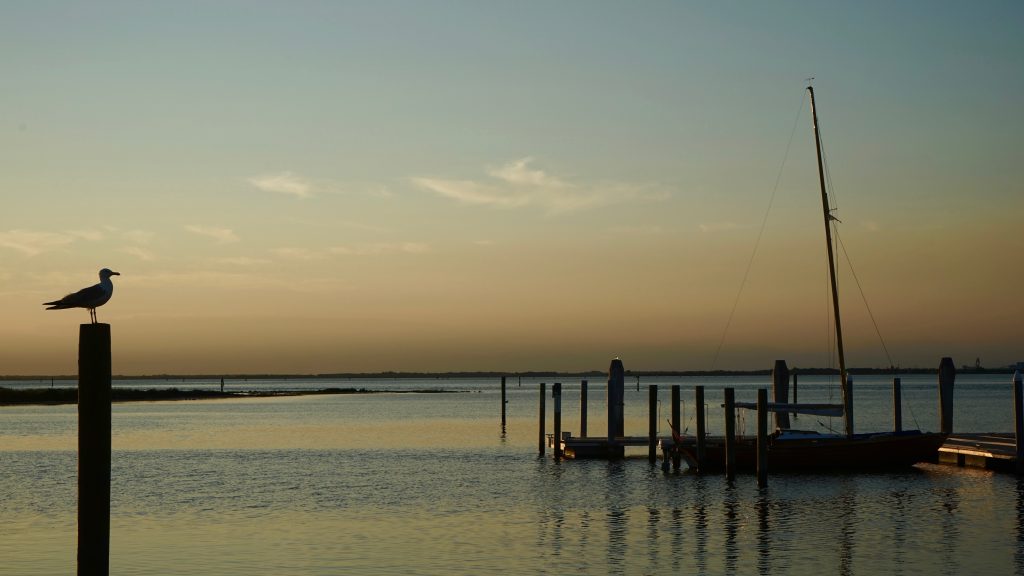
x,y
91,297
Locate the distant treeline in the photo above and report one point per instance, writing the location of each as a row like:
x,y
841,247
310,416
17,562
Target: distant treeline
x,y
529,374
9,396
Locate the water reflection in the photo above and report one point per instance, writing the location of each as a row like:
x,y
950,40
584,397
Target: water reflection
x,y
616,517
1018,553
950,501
731,524
700,524
898,506
847,511
764,541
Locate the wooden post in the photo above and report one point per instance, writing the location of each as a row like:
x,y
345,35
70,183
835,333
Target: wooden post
x,y
652,423
730,434
698,404
947,374
94,379
556,393
762,437
1018,419
583,409
897,405
503,402
795,401
780,391
676,424
221,385
616,406
540,436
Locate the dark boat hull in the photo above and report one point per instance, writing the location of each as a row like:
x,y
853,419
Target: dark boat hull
x,y
884,450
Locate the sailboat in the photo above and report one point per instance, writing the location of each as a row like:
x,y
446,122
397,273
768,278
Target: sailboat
x,y
810,450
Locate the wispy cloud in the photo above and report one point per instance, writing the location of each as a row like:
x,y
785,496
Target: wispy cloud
x,y
222,235
717,226
138,252
241,261
283,183
381,248
298,253
518,184
33,243
92,235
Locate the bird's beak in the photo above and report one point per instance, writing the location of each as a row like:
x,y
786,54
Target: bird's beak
x,y
115,273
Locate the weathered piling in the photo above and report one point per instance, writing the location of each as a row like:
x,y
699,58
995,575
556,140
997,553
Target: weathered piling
x,y
795,399
652,423
780,391
556,395
897,405
947,374
616,408
677,425
1018,419
503,402
730,434
540,436
762,437
94,379
698,405
583,409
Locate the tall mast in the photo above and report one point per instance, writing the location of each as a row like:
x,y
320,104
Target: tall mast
x,y
844,383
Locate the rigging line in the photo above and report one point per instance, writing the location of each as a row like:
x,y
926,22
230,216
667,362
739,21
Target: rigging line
x,y
757,243
864,298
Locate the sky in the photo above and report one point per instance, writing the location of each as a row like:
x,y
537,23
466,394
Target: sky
x,y
317,187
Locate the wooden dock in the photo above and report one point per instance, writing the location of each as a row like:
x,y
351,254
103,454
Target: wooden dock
x,y
990,450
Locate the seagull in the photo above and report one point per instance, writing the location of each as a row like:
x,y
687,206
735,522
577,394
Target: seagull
x,y
91,297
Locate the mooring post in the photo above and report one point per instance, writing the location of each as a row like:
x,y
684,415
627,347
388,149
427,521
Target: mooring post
x,y
947,374
583,409
94,379
676,425
616,407
540,443
795,400
221,385
698,406
652,423
503,402
556,393
762,437
730,434
897,405
1018,419
780,392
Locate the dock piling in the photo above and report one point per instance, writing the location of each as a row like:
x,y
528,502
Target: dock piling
x,y
762,437
540,442
780,391
947,375
897,405
676,425
698,404
795,400
1018,420
94,424
503,402
583,409
730,434
556,393
652,423
616,408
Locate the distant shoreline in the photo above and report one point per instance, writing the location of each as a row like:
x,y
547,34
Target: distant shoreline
x,y
491,374
54,396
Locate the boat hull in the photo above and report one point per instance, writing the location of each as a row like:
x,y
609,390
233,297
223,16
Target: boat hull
x,y
886,450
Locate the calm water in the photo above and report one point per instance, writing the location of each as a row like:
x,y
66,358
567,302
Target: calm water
x,y
428,484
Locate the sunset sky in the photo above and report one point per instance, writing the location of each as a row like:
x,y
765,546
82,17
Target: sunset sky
x,y
309,187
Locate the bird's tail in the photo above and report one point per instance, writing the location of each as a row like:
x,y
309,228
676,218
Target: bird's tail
x,y
56,305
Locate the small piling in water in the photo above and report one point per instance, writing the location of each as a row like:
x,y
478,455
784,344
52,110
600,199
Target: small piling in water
x,y
652,423
94,423
762,437
698,405
947,375
897,405
616,408
583,409
540,436
676,424
556,393
730,434
503,402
